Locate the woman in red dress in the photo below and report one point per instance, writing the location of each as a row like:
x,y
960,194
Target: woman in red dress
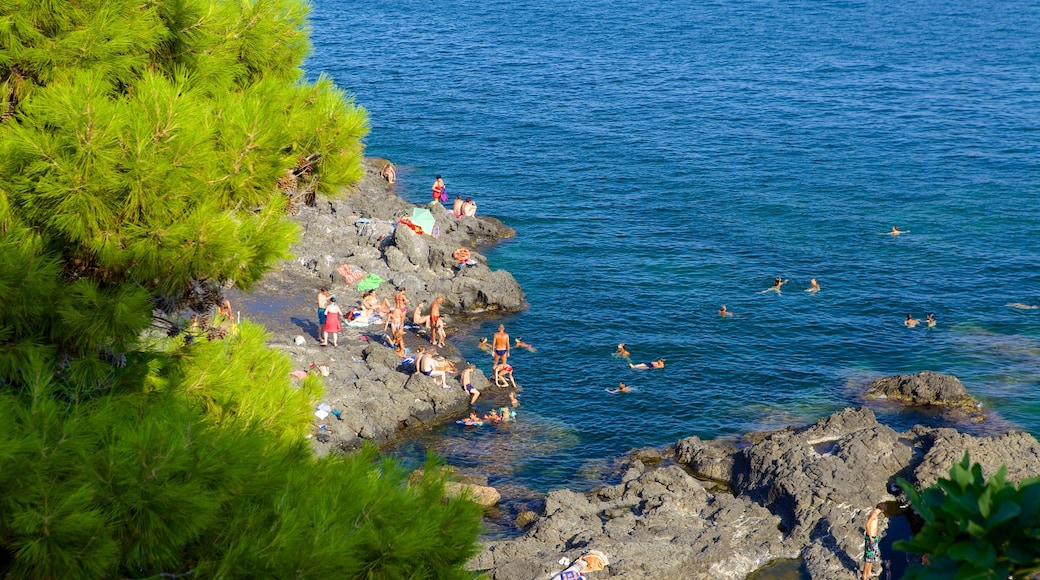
x,y
332,324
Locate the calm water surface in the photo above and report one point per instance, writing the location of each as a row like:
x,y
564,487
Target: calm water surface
x,y
659,159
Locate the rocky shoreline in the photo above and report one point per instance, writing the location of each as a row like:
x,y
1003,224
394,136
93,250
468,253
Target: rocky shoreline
x,y
701,509
375,393
711,510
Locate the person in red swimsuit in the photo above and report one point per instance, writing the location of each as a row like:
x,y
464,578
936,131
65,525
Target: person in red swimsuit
x,y
438,190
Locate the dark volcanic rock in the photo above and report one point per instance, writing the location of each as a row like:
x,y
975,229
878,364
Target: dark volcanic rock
x,y
799,492
924,389
374,389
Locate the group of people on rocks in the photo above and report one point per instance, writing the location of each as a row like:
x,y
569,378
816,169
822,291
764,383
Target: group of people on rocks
x,y
461,208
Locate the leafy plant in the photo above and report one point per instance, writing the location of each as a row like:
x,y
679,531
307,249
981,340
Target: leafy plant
x,y
976,528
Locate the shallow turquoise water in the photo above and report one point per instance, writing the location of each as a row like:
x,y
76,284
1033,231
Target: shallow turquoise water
x,y
660,159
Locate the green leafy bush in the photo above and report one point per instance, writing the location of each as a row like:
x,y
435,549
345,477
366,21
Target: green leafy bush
x,y
976,528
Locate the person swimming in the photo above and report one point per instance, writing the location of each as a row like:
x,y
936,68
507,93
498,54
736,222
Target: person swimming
x,y
622,351
621,388
814,286
910,321
655,364
1022,306
895,231
930,319
519,343
471,421
484,345
724,312
777,283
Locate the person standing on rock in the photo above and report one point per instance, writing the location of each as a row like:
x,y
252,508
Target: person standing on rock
x,y
400,300
323,301
871,539
436,325
500,346
396,323
332,325
439,193
457,208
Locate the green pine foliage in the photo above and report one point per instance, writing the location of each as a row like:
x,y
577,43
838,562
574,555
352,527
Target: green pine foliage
x,y
141,148
976,528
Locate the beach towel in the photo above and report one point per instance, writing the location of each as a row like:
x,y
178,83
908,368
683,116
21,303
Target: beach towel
x,y
352,274
371,282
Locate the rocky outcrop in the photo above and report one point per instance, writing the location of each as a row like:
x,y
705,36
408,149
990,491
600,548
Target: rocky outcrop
x,y
373,389
360,228
658,522
924,389
798,492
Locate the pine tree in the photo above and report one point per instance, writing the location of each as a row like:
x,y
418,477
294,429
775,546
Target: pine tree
x,y
145,149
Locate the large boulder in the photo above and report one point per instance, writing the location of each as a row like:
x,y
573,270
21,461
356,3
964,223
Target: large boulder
x,y
924,389
707,459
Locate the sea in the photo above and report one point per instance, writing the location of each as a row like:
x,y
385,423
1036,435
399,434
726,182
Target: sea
x,y
661,158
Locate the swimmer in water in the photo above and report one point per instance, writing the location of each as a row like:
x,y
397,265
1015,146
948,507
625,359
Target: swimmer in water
x,y
777,283
910,321
656,364
814,286
621,388
895,231
484,345
930,319
724,312
519,343
622,351
1022,306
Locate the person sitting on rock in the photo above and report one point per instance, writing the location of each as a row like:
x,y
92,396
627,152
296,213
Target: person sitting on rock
x,y
469,207
429,366
467,383
420,319
457,208
388,173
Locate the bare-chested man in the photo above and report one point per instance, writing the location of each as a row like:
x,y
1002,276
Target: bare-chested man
x,y
500,346
910,321
467,383
871,539
396,323
435,317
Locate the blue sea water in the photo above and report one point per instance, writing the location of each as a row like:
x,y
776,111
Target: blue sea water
x,y
659,159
